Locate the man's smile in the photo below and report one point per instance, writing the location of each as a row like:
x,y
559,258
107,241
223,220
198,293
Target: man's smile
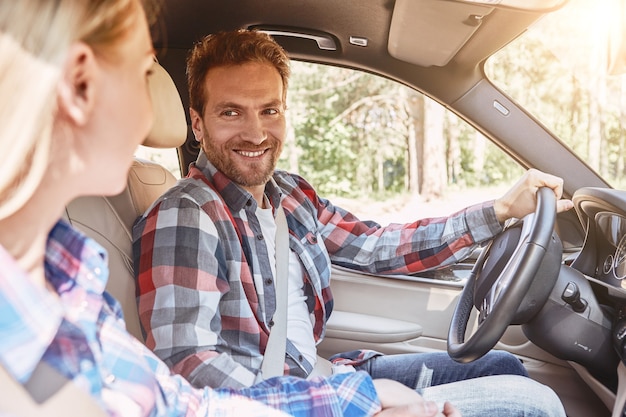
x,y
251,154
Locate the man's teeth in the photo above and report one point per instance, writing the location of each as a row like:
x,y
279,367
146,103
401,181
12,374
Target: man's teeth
x,y
250,154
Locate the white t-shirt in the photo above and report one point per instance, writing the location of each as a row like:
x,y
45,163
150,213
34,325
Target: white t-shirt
x,y
299,325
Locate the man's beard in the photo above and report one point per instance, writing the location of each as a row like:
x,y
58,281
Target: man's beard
x,y
255,173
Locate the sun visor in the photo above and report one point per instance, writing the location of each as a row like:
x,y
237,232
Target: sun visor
x,y
431,32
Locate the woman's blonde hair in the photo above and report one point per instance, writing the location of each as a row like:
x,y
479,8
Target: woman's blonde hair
x,y
35,36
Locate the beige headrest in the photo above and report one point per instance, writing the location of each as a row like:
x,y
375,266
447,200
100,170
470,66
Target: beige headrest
x,y
169,129
146,182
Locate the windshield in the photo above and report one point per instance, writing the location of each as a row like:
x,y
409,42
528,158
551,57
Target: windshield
x,y
563,71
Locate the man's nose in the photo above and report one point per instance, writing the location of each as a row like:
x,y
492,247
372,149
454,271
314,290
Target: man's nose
x,y
254,130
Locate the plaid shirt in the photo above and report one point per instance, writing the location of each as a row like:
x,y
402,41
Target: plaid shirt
x,y
199,251
81,334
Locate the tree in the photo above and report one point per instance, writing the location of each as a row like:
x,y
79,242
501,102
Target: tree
x,y
414,103
433,156
347,130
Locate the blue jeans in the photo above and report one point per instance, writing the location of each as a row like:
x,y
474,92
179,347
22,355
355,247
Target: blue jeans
x,y
494,385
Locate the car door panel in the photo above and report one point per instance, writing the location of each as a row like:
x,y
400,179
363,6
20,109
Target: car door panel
x,y
413,314
409,309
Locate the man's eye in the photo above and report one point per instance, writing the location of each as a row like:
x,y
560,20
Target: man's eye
x,y
229,113
270,111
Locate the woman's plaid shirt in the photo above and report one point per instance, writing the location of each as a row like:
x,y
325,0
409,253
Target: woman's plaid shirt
x,y
79,331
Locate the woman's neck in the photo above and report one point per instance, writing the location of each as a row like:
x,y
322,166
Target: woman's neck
x,y
24,234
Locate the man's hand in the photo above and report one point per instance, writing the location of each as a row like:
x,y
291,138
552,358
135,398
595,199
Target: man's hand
x,y
521,199
400,401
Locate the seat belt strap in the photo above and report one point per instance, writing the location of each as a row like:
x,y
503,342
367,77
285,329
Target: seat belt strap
x,y
44,382
274,357
47,393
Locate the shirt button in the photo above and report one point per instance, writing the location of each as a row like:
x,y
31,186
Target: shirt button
x,y
109,379
300,358
248,203
271,323
269,281
260,237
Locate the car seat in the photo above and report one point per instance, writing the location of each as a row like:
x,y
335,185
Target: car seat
x,y
109,220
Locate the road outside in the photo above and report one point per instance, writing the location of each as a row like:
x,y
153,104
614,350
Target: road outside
x,y
408,208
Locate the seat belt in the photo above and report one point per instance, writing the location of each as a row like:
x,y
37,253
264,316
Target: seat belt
x,y
47,393
274,357
323,367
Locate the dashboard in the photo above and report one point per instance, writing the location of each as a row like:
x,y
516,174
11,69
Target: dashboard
x,y
603,255
611,229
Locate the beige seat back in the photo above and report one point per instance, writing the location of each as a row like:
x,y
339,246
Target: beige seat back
x,y
109,220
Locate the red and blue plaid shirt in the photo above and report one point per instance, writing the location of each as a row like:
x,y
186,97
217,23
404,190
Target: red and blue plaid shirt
x,y
199,251
80,332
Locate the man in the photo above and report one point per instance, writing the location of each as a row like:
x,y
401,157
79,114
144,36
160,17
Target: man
x,y
205,252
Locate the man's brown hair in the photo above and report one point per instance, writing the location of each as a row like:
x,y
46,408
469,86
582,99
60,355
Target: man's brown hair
x,y
231,48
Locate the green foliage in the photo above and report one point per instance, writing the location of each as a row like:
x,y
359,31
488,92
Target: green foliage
x,y
351,131
346,130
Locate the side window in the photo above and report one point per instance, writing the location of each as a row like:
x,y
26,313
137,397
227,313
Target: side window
x,y
384,151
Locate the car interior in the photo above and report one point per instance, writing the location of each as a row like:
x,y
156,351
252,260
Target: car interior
x,y
565,321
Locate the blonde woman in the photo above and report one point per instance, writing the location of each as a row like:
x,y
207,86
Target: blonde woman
x,y
75,105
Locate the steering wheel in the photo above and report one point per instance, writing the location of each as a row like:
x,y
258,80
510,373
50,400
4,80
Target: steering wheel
x,y
497,309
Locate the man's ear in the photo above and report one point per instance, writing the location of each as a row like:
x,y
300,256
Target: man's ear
x,y
76,91
196,124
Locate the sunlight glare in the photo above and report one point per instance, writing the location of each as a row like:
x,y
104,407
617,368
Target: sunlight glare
x,y
581,33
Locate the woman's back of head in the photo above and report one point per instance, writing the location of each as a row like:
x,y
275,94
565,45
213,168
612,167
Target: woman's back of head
x,y
35,36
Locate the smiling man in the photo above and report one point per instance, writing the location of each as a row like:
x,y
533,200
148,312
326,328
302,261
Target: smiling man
x,y
205,252
243,123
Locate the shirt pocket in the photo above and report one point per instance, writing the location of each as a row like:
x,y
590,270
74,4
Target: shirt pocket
x,y
315,260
